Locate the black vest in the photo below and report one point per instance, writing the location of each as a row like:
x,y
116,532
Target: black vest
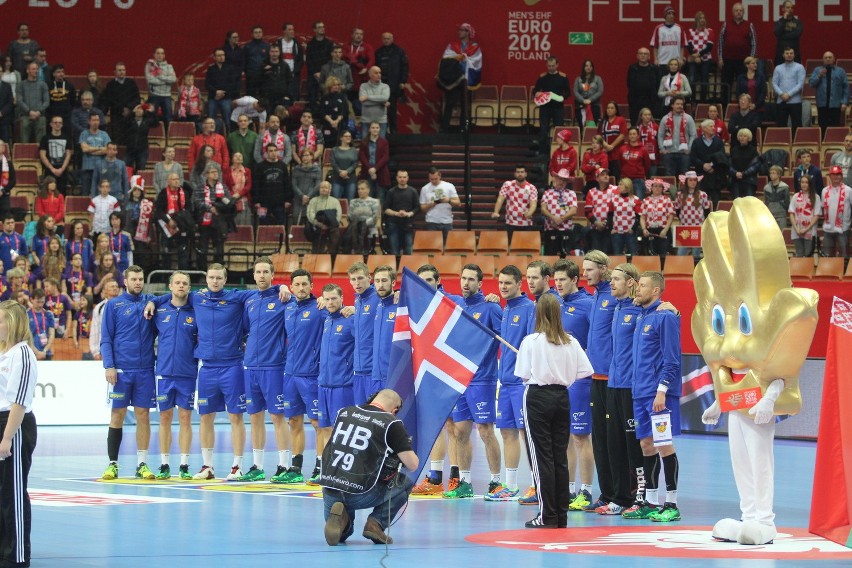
x,y
356,456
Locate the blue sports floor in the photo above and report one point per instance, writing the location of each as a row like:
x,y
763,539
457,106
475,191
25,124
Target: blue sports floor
x,y
79,521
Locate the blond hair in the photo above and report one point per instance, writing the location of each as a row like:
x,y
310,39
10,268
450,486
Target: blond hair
x,y
17,324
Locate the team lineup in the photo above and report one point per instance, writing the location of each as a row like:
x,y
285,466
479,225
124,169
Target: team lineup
x,y
285,351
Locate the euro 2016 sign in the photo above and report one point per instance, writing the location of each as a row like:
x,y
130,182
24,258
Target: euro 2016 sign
x,y
529,36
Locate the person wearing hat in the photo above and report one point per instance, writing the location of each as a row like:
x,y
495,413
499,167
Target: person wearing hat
x,y
467,53
551,109
558,205
656,217
565,155
692,206
836,214
668,41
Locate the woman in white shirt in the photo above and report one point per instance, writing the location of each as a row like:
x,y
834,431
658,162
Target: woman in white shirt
x,y
549,360
18,376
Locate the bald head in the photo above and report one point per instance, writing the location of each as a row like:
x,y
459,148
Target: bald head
x,y
389,400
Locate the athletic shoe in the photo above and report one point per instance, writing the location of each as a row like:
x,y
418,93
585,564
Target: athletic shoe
x,y
206,472
426,487
452,483
463,491
611,509
639,511
495,487
373,531
583,499
529,498
504,494
236,473
289,476
571,497
538,523
165,472
315,479
337,523
253,474
593,507
111,471
667,514
184,472
144,472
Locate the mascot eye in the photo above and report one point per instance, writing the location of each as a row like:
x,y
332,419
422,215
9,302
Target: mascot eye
x,y
744,317
718,320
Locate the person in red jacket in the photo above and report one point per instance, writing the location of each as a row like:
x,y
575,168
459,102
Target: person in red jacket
x,y
209,137
594,158
565,156
613,128
721,128
635,163
376,170
50,201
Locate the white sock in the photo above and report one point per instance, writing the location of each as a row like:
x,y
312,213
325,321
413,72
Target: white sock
x,y
572,486
238,461
258,458
184,459
586,487
207,457
142,456
512,478
164,459
495,477
651,497
437,465
284,459
464,475
671,496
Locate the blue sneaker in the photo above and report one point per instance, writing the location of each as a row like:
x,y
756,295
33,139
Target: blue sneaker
x,y
529,498
505,494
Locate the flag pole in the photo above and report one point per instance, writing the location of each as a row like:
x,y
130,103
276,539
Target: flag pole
x,y
506,343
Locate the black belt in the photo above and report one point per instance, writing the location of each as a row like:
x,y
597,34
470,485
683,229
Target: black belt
x,y
550,387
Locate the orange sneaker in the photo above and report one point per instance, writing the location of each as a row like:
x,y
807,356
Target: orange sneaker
x,y
426,487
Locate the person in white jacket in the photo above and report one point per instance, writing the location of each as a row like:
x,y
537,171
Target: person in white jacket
x,y
160,76
110,291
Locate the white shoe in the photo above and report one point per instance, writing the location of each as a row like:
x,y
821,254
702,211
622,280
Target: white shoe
x,y
235,474
206,472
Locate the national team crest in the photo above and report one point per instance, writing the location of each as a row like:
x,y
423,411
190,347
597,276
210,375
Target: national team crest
x,y
605,303
516,319
627,318
391,315
189,320
305,314
366,308
646,328
339,328
661,426
476,315
270,306
571,309
167,319
222,302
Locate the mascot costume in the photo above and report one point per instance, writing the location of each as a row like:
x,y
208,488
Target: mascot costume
x,y
754,331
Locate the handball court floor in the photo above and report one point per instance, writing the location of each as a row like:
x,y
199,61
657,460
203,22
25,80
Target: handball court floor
x,y
80,521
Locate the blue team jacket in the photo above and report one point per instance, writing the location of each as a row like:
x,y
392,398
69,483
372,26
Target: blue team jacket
x,y
576,309
599,344
623,326
489,314
383,338
364,321
656,353
336,351
127,338
518,321
303,324
177,330
263,320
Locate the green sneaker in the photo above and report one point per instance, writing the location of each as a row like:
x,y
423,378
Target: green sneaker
x,y
463,491
253,474
184,472
144,472
111,471
639,511
667,514
164,473
290,476
582,500
315,479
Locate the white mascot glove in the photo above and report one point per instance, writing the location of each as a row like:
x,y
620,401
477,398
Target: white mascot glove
x,y
711,415
764,410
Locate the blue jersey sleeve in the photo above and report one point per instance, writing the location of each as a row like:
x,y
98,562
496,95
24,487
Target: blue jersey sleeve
x,y
671,352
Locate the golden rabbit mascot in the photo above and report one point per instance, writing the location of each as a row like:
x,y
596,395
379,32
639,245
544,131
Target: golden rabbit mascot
x,y
754,331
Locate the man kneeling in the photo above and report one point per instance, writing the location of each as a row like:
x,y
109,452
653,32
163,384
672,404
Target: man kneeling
x,y
362,437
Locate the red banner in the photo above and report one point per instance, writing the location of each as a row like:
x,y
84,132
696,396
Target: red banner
x,y
687,236
833,518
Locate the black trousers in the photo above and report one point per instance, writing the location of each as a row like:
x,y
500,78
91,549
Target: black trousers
x,y
547,413
793,111
600,416
15,514
625,453
206,234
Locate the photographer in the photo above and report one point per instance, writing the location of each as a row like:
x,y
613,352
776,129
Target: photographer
x,y
214,211
359,469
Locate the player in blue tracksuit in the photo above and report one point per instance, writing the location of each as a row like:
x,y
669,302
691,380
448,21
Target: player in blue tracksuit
x,y
517,322
576,309
221,384
263,369
384,279
336,358
177,371
127,349
366,302
657,386
599,350
303,323
477,403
